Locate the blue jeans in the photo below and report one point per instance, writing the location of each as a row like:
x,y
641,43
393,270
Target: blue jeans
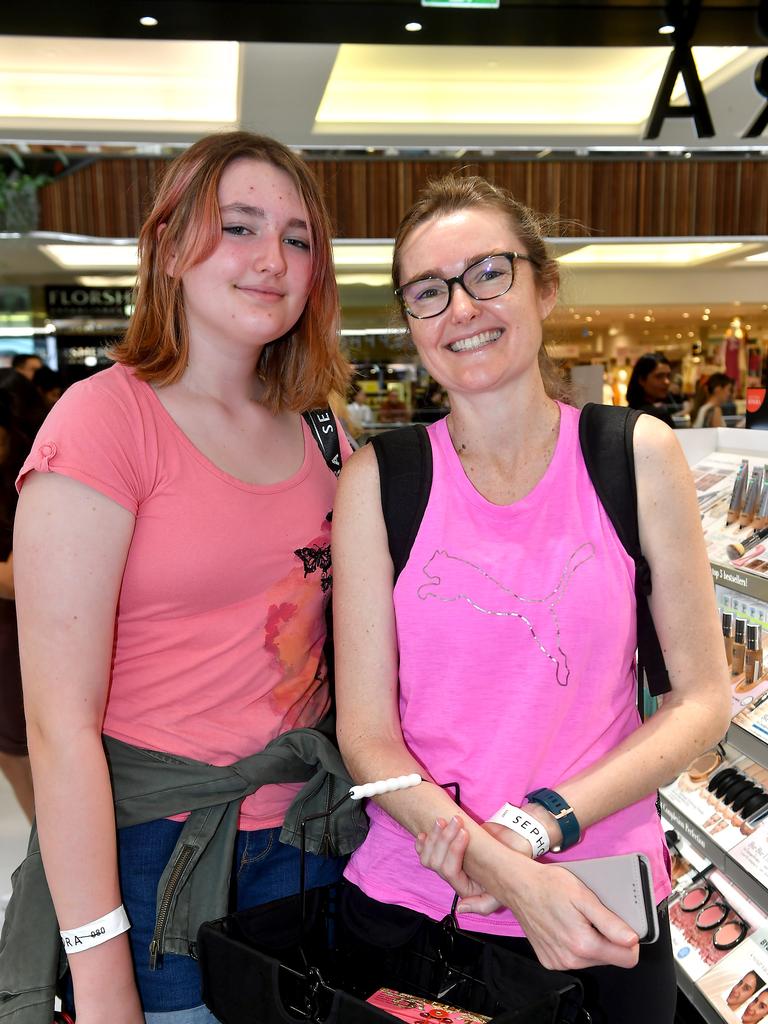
x,y
264,869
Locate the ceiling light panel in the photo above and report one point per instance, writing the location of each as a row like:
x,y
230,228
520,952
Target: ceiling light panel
x,y
87,80
349,255
371,280
529,86
648,254
93,257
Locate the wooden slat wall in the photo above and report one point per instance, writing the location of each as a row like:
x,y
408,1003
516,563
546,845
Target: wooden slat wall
x,y
367,198
106,198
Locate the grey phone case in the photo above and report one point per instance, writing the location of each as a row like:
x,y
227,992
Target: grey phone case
x,y
623,884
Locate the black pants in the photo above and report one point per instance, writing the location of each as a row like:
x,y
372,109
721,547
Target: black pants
x,y
645,994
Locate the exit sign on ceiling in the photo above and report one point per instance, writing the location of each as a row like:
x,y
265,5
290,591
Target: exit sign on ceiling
x,y
475,4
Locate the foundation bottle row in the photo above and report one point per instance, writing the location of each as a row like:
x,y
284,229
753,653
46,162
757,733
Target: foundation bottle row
x,y
744,651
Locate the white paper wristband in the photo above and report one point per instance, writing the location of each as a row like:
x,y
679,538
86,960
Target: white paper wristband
x,y
102,930
524,825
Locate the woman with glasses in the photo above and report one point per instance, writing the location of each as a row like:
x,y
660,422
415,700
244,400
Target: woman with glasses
x,y
502,656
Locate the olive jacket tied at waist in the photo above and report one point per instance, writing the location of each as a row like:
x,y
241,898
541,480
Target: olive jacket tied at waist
x,y
150,784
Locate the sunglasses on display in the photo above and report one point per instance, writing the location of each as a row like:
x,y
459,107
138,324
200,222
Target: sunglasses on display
x,y
488,278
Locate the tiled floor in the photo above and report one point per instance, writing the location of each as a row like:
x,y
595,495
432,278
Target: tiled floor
x,y
14,832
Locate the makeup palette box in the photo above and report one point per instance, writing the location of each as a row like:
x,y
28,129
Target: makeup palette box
x,y
709,920
740,980
752,854
416,1009
755,721
744,698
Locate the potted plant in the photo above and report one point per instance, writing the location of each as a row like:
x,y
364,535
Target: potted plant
x,y
18,195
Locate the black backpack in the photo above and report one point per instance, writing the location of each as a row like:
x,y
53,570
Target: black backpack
x,y
605,434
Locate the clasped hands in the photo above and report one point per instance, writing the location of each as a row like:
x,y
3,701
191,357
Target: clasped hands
x,y
567,925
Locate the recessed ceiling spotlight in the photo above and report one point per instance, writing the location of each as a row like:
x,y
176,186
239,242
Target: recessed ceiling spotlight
x,y
413,26
666,30
148,21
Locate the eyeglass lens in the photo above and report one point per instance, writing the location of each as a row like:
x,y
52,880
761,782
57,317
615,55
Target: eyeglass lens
x,y
487,279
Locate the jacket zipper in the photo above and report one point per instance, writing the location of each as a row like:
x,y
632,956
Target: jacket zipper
x,y
325,842
155,946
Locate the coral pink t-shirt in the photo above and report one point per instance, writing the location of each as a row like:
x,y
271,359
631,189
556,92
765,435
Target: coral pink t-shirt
x,y
220,623
516,629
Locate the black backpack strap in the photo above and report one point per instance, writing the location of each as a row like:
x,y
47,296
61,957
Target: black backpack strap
x,y
405,477
605,433
322,423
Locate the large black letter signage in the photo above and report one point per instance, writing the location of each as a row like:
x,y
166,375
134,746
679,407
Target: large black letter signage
x,y
680,63
758,126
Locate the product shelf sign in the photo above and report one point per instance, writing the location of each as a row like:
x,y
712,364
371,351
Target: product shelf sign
x,y
473,4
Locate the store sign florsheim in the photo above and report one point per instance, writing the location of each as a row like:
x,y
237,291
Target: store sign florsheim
x,y
64,302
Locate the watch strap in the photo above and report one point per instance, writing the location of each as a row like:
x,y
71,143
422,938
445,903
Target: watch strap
x,y
562,812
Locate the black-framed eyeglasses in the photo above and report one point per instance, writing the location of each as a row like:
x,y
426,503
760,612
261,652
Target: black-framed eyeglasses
x,y
488,278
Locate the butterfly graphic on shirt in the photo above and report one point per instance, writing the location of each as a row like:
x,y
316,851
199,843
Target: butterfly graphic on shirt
x,y
317,557
455,579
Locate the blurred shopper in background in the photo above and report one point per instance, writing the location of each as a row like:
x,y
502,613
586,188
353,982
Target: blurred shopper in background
x,y
392,409
711,395
26,364
648,388
28,407
359,414
173,569
49,385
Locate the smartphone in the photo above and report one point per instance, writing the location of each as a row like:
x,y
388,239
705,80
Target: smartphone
x,y
623,884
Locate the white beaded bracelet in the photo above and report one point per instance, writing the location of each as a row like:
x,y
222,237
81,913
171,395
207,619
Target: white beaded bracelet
x,y
524,825
370,789
101,930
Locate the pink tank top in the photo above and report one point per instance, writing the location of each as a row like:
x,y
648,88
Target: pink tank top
x,y
517,634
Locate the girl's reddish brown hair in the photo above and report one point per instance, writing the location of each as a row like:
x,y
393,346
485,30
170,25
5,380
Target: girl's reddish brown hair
x,y
298,371
456,192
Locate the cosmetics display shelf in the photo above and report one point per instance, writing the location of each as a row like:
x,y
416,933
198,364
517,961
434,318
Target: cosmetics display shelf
x,y
701,841
695,998
749,885
749,744
743,582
